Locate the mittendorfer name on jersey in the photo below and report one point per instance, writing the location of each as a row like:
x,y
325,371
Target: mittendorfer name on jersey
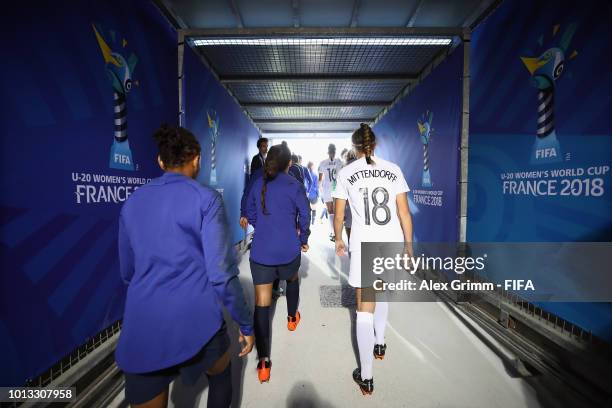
x,y
372,173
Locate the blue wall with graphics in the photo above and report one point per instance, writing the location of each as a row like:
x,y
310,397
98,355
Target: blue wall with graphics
x,y
227,137
421,133
541,131
63,174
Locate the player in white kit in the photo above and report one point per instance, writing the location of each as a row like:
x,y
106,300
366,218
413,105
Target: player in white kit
x,y
376,191
328,170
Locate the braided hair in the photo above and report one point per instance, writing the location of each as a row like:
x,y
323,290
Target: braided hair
x,y
364,141
176,146
277,161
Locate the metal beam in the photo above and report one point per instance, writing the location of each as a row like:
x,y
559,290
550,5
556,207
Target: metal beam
x,y
236,13
355,15
180,77
295,5
206,63
173,18
414,13
484,13
465,134
482,9
323,32
314,78
314,104
313,120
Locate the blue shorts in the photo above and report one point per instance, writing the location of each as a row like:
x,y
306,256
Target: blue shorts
x,y
263,274
140,388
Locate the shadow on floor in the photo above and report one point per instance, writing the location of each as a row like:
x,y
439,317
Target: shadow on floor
x,y
304,395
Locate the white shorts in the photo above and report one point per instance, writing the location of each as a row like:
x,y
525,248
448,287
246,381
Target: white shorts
x,y
355,272
327,197
355,269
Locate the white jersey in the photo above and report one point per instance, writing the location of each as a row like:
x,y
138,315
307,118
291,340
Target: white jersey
x,y
371,192
330,170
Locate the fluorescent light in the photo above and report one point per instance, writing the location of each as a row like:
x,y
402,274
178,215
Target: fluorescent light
x,y
393,41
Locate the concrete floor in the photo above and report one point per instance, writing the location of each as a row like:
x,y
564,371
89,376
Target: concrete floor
x,y
433,360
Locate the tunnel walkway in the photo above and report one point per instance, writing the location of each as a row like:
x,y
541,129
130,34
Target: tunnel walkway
x,y
433,360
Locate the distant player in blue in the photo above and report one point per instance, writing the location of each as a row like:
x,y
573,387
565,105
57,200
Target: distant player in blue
x,y
312,191
296,170
273,204
307,176
177,261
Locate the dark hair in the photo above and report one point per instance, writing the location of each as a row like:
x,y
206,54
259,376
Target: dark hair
x,y
310,164
277,160
331,148
364,140
176,146
295,158
261,140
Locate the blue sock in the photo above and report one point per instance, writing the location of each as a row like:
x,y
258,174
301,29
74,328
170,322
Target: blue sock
x,y
292,293
261,321
220,389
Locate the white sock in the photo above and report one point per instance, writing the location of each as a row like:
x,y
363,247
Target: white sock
x,y
365,343
380,321
331,222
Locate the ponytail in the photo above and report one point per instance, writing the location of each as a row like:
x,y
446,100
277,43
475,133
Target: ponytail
x,y
364,141
277,160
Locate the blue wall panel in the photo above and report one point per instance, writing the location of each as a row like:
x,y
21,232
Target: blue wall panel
x,y
541,131
62,175
227,136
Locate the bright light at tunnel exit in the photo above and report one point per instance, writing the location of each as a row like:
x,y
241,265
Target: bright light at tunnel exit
x,y
311,148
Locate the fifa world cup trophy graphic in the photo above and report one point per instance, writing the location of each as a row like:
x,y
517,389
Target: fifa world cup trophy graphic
x,y
545,70
119,71
213,130
425,130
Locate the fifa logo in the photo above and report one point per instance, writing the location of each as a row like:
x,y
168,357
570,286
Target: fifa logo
x,y
425,130
119,71
213,131
545,70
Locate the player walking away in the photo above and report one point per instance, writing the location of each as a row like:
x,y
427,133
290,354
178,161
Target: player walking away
x,y
349,157
312,192
380,214
308,179
258,160
177,260
343,154
295,170
274,203
328,170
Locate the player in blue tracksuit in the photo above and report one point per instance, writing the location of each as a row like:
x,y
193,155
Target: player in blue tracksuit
x,y
177,262
273,204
